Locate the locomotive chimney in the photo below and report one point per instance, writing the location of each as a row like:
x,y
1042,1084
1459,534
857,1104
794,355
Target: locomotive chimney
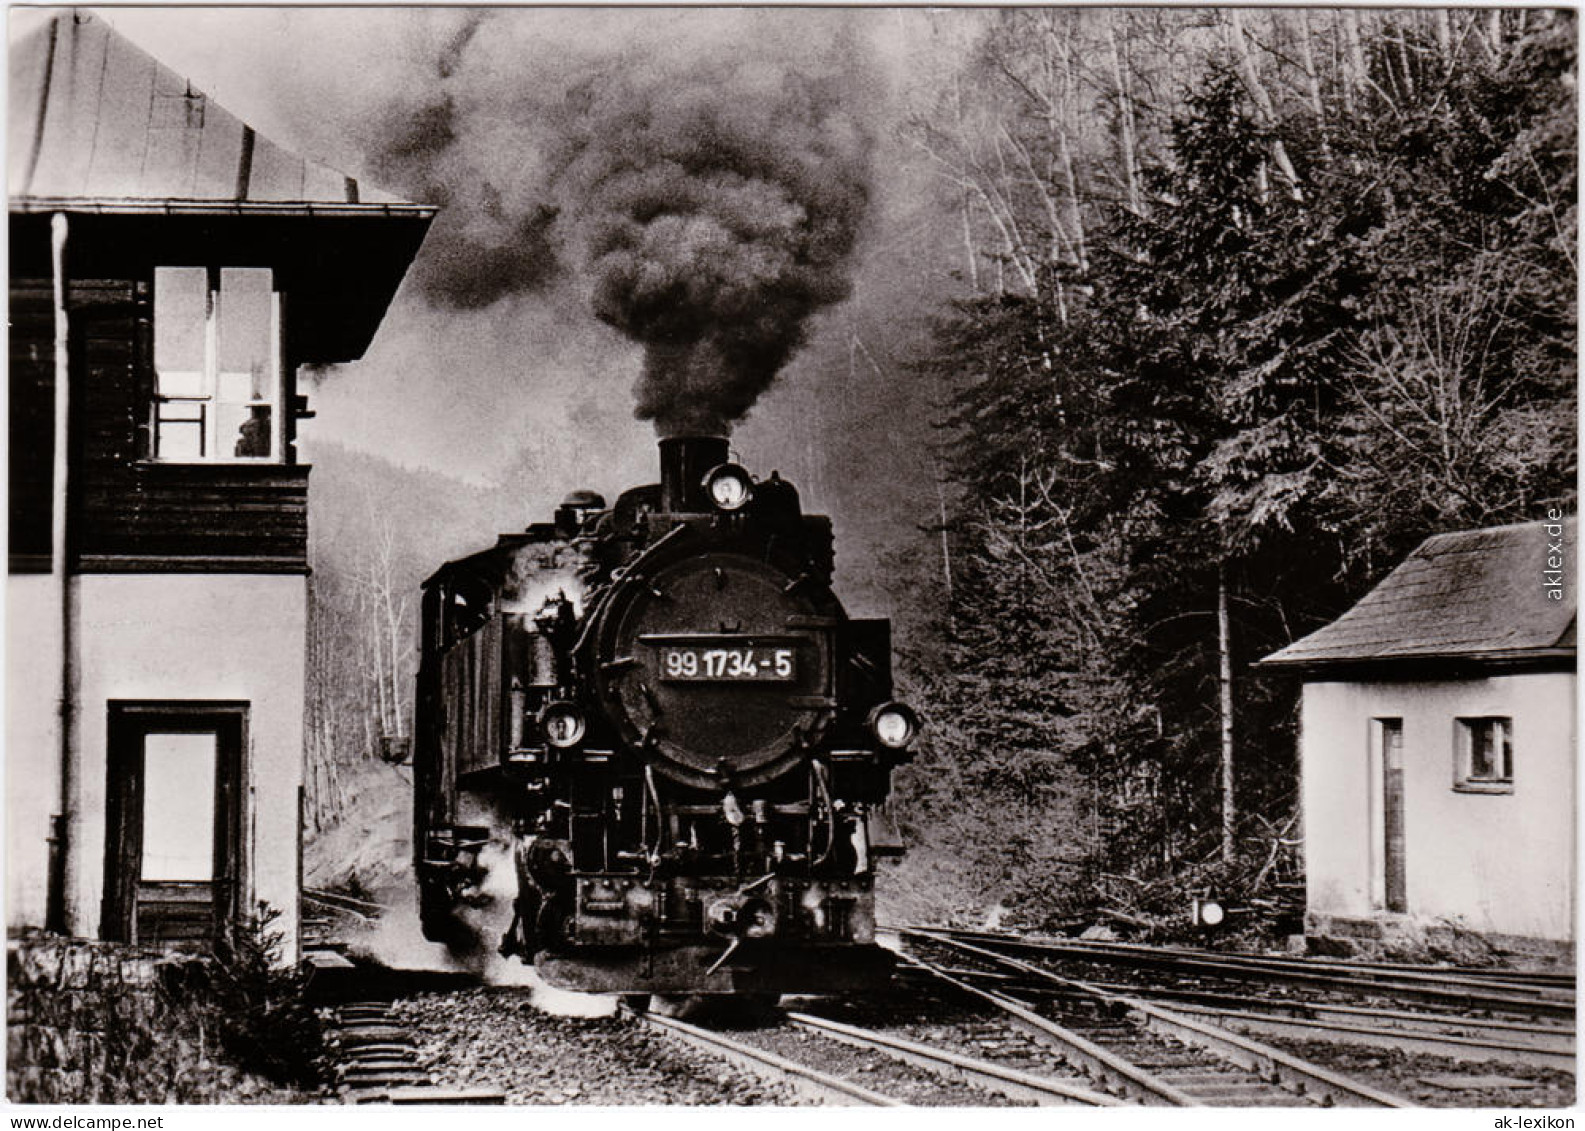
x,y
683,463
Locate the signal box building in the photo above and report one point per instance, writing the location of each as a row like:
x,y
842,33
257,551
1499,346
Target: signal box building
x,y
171,270
1438,747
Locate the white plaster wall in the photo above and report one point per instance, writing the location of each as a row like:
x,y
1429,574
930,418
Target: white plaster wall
x,y
32,743
1495,862
200,636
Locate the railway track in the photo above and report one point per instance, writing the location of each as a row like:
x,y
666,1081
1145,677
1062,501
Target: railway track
x,y
1527,994
1460,1037
969,1016
811,1083
968,1046
378,1062
1150,1055
1108,1052
1013,1083
895,1071
1515,1019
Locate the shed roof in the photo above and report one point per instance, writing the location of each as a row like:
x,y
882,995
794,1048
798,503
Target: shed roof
x,y
96,124
1470,595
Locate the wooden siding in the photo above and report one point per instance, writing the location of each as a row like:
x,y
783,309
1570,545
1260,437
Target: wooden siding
x,y
133,515
470,679
198,517
31,434
171,912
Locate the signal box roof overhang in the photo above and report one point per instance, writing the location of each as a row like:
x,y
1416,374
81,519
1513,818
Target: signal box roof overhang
x,y
340,270
1463,603
152,171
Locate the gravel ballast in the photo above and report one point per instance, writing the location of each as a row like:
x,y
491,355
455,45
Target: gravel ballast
x,y
497,1039
1405,1074
873,1070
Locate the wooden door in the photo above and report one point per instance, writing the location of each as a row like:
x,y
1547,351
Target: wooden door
x,y
1393,886
172,833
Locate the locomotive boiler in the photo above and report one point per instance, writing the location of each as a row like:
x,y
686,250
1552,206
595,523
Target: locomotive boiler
x,y
658,721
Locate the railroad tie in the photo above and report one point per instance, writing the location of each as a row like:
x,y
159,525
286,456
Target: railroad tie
x,y
378,1063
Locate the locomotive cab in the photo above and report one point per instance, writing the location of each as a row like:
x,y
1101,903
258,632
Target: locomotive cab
x,y
658,721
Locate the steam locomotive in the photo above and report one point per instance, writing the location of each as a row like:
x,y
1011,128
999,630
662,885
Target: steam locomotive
x,y
657,719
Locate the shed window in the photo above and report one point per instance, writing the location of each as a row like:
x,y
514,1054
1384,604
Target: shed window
x,y
1485,753
217,364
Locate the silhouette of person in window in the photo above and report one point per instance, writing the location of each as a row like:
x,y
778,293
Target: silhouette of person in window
x,y
253,438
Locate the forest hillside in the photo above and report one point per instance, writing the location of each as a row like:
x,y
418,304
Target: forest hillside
x,y
1189,326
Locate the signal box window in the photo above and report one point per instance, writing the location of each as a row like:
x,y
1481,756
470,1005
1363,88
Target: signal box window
x,y
1485,755
217,364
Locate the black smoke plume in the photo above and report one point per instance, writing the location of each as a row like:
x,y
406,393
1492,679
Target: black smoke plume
x,y
717,213
480,249
709,208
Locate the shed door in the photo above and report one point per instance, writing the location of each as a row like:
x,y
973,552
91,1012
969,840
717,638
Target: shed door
x,y
172,850
1388,887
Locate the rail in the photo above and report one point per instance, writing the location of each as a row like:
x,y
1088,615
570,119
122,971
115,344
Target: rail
x,y
1274,1065
1009,1082
1536,1030
1450,988
1103,1064
807,1081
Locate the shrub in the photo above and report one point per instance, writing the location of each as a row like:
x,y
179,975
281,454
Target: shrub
x,y
262,1016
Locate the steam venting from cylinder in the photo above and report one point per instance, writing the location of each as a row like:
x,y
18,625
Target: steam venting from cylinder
x,y
704,185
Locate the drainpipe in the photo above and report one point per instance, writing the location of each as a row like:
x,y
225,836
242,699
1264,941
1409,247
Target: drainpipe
x,y
60,910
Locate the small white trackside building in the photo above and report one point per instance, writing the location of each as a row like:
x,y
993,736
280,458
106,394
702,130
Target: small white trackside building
x,y
1438,747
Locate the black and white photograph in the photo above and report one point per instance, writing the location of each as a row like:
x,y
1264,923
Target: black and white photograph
x,y
602,557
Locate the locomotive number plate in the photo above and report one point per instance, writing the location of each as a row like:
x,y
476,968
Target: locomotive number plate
x,y
698,662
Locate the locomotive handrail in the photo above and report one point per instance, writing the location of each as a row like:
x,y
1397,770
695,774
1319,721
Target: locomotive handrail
x,y
783,809
653,792
627,571
822,780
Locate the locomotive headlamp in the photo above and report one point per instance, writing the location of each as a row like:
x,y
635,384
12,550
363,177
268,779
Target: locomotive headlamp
x,y
562,724
729,487
894,725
